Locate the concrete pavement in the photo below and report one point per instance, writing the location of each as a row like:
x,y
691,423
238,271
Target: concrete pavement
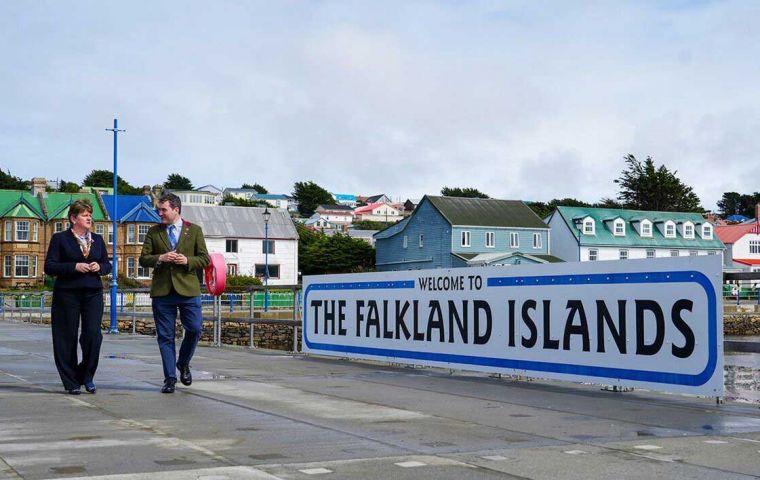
x,y
269,415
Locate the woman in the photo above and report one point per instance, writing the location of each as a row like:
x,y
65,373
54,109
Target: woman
x,y
77,258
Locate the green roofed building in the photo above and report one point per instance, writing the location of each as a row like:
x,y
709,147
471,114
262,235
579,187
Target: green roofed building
x,y
23,239
28,222
589,234
446,232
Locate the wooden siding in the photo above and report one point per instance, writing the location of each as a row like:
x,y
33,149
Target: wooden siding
x,y
501,240
436,246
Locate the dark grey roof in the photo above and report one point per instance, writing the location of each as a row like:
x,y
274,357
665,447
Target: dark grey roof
x,y
374,198
337,207
486,212
240,222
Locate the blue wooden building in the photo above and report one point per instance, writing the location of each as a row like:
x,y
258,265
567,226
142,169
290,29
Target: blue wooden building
x,y
446,232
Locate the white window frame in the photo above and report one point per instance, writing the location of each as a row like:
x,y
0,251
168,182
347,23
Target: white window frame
x,y
490,240
131,233
33,266
109,234
465,238
100,229
754,246
675,253
17,266
142,232
228,245
670,226
707,231
653,253
693,253
8,231
143,272
35,231
131,267
57,227
19,230
537,240
712,252
422,240
514,240
623,254
618,223
405,241
593,254
8,266
688,230
589,222
646,228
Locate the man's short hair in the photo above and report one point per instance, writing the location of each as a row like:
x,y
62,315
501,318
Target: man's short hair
x,y
79,206
174,201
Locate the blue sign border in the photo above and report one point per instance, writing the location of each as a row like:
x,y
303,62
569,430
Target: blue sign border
x,y
567,369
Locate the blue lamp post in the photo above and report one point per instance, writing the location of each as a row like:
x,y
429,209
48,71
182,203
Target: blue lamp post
x,y
266,216
114,328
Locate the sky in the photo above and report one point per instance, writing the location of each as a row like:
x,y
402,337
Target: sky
x,y
527,100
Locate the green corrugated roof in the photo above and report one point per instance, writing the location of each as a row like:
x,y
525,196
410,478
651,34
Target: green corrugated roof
x,y
58,205
19,204
486,212
632,238
548,258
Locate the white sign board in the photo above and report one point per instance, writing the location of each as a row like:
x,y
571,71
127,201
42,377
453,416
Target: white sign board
x,y
641,323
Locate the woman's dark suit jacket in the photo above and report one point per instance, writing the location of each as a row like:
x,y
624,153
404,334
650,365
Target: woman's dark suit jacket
x,y
64,253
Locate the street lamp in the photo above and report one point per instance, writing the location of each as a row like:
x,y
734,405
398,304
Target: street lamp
x,y
266,216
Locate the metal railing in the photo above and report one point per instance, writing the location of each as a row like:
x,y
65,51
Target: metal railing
x,y
243,306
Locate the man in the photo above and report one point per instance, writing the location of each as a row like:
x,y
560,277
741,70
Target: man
x,y
177,252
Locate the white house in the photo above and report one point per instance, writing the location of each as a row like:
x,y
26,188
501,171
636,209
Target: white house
x,y
239,234
379,212
197,197
742,246
590,234
336,214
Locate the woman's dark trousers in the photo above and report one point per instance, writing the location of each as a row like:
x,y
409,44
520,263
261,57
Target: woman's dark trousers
x,y
69,305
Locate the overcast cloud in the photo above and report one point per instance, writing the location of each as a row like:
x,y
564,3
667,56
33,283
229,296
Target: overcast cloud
x,y
522,100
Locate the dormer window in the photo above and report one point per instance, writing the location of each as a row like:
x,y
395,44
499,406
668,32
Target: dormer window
x,y
688,230
646,228
618,228
707,231
588,226
670,229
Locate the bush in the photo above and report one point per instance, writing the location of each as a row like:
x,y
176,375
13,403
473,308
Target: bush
x,y
243,281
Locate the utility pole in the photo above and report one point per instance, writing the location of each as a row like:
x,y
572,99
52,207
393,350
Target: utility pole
x,y
114,328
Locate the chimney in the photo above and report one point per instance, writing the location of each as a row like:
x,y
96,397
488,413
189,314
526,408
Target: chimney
x,y
39,186
157,189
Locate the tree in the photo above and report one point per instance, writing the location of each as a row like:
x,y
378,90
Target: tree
x,y
733,203
644,186
104,178
309,196
463,192
68,187
175,181
369,225
10,182
322,254
255,186
243,202
543,210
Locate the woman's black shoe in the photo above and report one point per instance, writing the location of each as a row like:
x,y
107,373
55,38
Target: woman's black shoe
x,y
74,391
